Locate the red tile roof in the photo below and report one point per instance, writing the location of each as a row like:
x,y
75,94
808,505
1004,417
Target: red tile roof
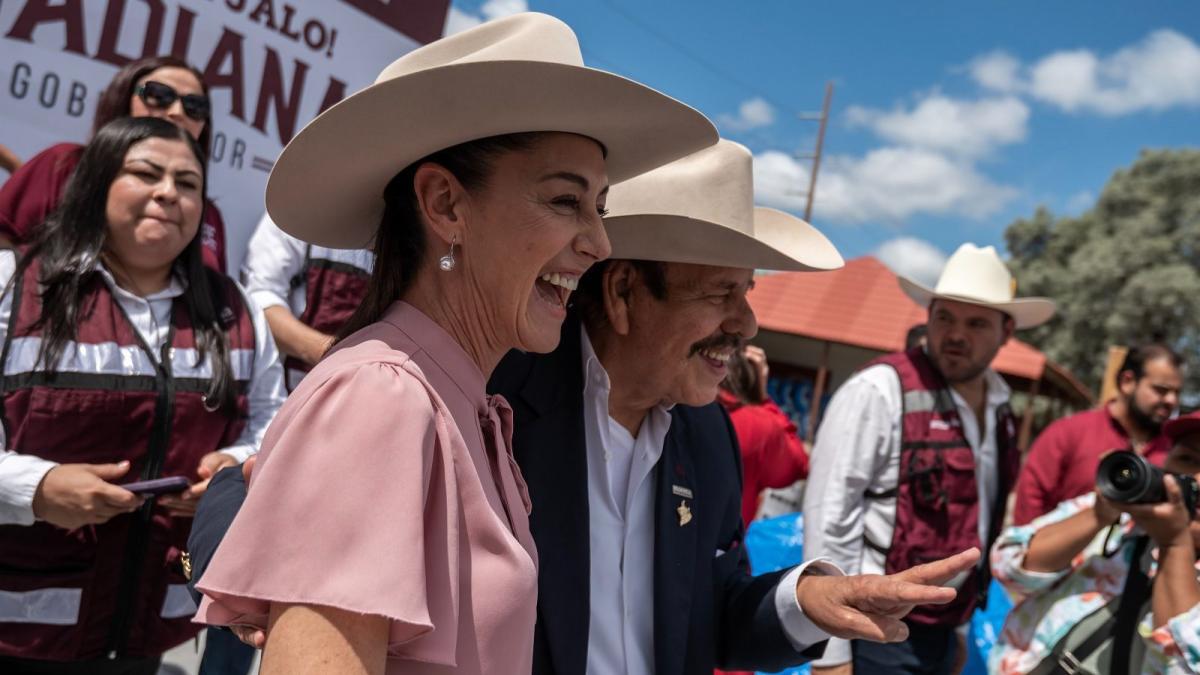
x,y
861,305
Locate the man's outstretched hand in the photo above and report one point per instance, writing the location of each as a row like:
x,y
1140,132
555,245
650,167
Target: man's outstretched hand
x,y
871,606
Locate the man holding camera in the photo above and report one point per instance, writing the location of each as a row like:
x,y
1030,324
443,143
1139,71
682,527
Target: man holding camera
x,y
1063,460
916,456
1105,586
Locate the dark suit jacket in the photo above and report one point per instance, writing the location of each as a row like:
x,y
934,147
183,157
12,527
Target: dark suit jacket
x,y
708,610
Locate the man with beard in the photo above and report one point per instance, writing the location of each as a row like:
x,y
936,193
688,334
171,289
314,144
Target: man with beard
x,y
916,456
1063,460
632,469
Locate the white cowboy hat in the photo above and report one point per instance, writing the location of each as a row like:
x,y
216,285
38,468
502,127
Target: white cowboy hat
x,y
700,210
518,74
977,276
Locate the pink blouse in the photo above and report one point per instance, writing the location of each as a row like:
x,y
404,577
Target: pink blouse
x,y
386,485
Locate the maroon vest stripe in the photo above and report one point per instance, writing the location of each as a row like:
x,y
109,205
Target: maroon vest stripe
x,y
107,382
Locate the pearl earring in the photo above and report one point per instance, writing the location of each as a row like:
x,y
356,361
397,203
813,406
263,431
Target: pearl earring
x,y
447,262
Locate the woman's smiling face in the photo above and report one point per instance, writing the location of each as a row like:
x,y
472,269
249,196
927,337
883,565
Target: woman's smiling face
x,y
536,227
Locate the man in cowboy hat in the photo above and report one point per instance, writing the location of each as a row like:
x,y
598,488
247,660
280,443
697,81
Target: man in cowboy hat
x,y
916,455
633,470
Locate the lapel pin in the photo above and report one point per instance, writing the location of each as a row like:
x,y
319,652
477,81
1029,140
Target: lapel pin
x,y
680,491
685,514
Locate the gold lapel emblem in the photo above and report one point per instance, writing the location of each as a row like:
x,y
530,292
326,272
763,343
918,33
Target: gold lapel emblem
x,y
186,561
685,514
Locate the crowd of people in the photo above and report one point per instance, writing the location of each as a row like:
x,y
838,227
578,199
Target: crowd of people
x,y
483,402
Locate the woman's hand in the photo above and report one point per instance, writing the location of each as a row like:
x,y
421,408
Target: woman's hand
x,y
184,504
73,495
1167,522
1105,510
757,358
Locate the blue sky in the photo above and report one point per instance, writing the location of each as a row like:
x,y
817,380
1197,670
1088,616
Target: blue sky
x,y
949,119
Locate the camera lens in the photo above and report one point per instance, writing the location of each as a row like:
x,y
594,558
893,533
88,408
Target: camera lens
x,y
1124,478
1127,477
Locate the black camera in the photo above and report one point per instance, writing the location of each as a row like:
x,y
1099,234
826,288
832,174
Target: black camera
x,y
1127,477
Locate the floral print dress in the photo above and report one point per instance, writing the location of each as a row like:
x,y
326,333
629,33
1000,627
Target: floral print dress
x,y
1049,604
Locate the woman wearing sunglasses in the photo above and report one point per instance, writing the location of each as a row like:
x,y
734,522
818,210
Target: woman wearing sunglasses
x,y
162,86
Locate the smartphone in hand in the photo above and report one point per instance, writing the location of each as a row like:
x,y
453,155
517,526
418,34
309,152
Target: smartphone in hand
x,y
158,486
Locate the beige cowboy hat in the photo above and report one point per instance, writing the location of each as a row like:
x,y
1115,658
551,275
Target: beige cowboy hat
x,y
978,276
700,210
518,74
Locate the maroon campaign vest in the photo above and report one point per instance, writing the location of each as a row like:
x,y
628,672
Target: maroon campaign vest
x,y
937,498
114,589
335,282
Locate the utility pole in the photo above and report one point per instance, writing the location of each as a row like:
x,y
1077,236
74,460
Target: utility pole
x,y
823,119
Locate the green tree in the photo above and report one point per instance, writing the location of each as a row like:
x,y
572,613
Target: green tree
x,y
1122,273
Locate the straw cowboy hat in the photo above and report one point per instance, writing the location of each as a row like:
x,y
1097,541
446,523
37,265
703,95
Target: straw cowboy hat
x,y
518,74
977,276
700,209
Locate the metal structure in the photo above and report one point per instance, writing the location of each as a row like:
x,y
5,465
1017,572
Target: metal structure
x,y
823,118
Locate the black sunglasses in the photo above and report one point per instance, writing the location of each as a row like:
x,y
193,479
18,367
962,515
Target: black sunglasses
x,y
160,96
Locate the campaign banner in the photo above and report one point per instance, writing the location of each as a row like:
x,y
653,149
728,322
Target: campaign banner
x,y
271,66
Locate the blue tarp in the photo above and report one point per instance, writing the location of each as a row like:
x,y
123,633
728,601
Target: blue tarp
x,y
776,543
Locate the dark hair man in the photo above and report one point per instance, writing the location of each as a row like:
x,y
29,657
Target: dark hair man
x,y
1062,461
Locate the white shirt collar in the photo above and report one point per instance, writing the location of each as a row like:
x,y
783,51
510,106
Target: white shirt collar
x,y
175,287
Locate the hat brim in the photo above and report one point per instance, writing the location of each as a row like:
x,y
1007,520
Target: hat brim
x,y
327,185
1026,312
783,242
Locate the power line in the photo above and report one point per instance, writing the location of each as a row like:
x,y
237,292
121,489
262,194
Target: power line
x,y
686,51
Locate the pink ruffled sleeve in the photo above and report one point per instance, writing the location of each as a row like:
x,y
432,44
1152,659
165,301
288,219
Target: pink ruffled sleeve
x,y
350,506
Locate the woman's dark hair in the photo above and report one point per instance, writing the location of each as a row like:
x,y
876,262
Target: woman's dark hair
x,y
114,100
71,244
742,379
400,239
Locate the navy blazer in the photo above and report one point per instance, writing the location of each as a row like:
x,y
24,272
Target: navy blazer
x,y
708,610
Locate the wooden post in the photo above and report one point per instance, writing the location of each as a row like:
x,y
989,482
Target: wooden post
x,y
1108,386
814,407
1023,437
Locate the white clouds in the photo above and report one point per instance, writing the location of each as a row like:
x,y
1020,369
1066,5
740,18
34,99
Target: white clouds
x,y
998,71
949,125
1081,201
752,114
914,258
494,9
458,20
1159,72
889,184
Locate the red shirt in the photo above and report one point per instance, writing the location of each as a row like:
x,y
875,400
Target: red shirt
x,y
1062,462
31,194
772,454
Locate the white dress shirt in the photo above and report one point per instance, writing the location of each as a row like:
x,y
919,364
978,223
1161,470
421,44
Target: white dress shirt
x,y
621,488
274,258
857,450
22,471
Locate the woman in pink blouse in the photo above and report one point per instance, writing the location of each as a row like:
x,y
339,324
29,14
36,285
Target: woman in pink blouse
x,y
386,526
